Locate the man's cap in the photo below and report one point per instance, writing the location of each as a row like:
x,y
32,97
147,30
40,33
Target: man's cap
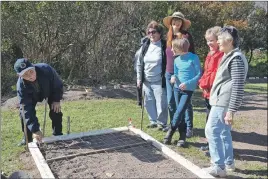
x,y
22,65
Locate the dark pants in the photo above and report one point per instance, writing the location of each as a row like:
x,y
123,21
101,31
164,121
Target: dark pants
x,y
188,116
182,99
56,123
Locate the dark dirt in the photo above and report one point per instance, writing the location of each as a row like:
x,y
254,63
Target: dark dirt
x,y
141,161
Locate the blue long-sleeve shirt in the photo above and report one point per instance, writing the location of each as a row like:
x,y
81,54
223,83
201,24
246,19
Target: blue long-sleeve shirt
x,y
187,69
47,85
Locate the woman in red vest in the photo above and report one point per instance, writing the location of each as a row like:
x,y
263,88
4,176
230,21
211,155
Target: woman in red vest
x,y
210,68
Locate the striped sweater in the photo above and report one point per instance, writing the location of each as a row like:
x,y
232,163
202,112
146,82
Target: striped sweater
x,y
238,73
228,87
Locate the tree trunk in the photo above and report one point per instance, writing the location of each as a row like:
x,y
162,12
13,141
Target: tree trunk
x,y
250,57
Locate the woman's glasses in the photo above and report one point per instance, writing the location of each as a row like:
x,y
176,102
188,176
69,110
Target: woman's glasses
x,y
152,32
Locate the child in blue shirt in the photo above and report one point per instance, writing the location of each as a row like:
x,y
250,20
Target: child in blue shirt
x,y
187,72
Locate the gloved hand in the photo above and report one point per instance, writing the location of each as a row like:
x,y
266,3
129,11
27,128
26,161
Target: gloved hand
x,y
38,136
55,106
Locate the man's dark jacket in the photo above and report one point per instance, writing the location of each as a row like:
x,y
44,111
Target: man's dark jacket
x,y
48,85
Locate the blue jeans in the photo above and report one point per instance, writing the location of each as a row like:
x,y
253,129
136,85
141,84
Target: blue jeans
x,y
172,104
219,137
182,99
189,115
156,102
170,96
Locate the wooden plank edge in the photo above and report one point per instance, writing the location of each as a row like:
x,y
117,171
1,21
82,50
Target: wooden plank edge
x,y
172,154
40,162
83,134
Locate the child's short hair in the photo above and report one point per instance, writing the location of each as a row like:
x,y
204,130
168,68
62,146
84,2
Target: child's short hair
x,y
213,31
181,45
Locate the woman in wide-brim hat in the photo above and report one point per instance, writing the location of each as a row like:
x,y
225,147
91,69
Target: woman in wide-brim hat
x,y
178,26
185,22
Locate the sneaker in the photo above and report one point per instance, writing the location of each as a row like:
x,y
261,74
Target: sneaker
x,y
189,133
204,148
181,143
152,125
215,171
230,168
23,142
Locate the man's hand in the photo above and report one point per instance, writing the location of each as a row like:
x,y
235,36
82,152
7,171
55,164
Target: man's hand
x,y
229,118
55,106
38,136
173,80
182,86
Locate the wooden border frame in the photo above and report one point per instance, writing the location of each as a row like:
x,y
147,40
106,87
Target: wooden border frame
x,y
40,161
47,173
172,154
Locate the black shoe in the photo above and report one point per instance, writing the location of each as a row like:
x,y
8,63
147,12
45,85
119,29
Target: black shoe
x,y
204,148
207,154
168,137
152,125
58,134
181,143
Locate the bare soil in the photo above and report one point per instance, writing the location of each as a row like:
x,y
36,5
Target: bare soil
x,y
249,137
142,160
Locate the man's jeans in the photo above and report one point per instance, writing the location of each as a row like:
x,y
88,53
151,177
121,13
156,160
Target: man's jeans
x,y
172,104
156,102
219,137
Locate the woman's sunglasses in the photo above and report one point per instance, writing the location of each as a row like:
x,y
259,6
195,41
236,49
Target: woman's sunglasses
x,y
152,32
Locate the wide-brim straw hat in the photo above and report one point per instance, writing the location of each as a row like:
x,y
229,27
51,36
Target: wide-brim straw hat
x,y
186,22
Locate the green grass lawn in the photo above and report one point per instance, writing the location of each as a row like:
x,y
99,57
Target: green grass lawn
x,y
92,115
85,116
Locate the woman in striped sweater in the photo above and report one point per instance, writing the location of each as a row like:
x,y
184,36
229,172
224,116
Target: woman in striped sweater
x,y
225,98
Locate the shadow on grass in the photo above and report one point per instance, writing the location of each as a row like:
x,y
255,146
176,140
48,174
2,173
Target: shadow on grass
x,y
243,154
250,138
259,173
251,155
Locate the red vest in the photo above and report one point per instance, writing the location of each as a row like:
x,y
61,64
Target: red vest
x,y
210,70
